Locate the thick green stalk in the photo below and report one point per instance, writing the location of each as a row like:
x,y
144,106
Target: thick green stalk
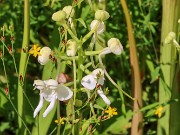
x,y
170,122
136,127
23,60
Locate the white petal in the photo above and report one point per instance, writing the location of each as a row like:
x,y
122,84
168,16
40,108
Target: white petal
x,y
106,51
63,93
48,94
101,76
100,80
39,84
106,100
40,105
97,71
51,84
88,82
50,107
100,28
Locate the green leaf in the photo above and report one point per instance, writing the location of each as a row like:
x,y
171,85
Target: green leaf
x,y
98,107
155,74
4,126
120,125
84,128
82,22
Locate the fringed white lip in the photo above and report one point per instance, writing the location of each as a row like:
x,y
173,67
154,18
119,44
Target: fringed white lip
x,y
105,99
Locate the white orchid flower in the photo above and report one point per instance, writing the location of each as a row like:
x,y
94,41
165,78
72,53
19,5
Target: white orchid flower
x,y
114,46
50,90
100,26
95,78
103,96
43,58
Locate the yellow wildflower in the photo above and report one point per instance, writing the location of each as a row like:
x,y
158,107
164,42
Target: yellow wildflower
x,y
111,111
35,50
60,121
158,111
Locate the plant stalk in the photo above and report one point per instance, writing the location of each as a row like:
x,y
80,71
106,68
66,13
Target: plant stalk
x,y
136,127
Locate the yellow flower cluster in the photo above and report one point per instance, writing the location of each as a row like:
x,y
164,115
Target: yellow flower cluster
x,y
158,111
35,50
60,121
111,111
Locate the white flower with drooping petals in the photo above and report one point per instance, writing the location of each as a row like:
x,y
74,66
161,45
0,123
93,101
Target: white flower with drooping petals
x,y
43,58
50,90
100,26
94,79
39,84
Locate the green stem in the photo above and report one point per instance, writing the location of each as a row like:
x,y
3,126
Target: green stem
x,y
70,32
22,63
58,117
75,87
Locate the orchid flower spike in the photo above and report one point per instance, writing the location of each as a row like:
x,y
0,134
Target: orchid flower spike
x,y
43,58
50,90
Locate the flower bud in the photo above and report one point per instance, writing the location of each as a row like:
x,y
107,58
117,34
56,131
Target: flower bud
x,y
69,11
169,38
59,16
51,84
101,15
71,48
115,46
100,26
43,58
